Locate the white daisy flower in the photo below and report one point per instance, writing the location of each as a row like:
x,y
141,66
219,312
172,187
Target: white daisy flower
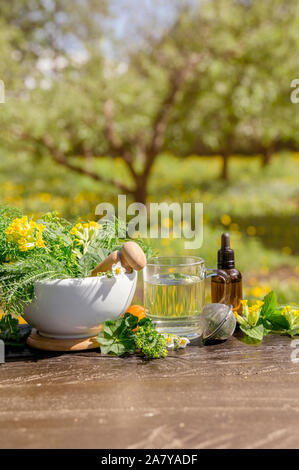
x,y
118,269
182,343
169,340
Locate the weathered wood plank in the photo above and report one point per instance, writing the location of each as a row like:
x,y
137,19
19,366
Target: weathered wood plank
x,y
221,396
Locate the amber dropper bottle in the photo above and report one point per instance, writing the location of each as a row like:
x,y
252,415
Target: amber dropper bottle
x,y
226,262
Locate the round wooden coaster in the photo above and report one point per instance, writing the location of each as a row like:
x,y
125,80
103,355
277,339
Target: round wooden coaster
x,y
35,340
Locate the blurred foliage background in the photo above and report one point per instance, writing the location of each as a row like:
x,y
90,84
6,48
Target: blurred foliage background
x,y
173,100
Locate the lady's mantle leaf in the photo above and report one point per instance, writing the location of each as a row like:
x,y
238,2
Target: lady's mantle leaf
x,y
117,338
109,327
131,321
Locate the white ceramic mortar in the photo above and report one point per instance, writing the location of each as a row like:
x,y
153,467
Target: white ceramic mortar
x,y
75,308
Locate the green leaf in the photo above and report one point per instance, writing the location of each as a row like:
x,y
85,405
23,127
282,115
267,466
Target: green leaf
x,y
105,349
131,321
277,322
109,327
256,332
270,304
117,338
10,332
248,340
104,340
120,327
118,349
145,322
294,331
129,345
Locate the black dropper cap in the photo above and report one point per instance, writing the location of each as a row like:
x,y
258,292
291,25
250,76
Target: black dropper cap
x,y
226,256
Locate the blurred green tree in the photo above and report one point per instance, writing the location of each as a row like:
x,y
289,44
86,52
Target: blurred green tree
x,y
239,102
217,82
54,27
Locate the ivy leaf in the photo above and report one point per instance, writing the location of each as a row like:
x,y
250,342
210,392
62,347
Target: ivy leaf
x,y
270,304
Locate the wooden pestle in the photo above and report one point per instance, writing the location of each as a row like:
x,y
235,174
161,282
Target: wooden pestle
x,y
131,256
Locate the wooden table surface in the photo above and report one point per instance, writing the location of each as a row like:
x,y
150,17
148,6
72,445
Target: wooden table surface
x,y
229,395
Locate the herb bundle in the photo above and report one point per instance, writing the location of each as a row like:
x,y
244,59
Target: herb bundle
x,y
50,248
130,334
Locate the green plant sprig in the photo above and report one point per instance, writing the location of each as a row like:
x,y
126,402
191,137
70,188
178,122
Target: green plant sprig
x,y
127,335
10,333
268,317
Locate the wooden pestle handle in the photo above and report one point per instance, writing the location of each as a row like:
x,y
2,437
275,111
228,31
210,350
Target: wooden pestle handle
x,y
106,264
131,257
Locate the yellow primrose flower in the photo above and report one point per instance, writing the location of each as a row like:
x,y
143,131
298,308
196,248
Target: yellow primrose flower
x,y
41,227
32,224
253,317
84,233
94,225
25,246
250,315
286,310
27,234
240,319
40,243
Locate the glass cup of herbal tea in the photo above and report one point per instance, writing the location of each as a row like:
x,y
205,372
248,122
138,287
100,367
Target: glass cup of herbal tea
x,y
174,293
